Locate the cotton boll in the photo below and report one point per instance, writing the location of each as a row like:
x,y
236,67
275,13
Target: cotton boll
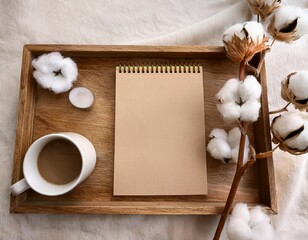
x,y
288,24
264,231
301,141
236,29
259,226
235,151
285,15
230,111
250,89
234,137
287,123
54,72
240,211
257,216
238,230
250,111
219,149
255,31
298,85
229,92
243,40
48,63
69,69
60,84
218,133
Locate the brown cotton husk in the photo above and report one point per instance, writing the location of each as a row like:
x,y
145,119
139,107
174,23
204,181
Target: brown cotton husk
x,y
282,142
259,7
287,95
285,34
238,49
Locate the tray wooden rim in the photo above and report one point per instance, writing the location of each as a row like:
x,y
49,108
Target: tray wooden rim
x,y
26,112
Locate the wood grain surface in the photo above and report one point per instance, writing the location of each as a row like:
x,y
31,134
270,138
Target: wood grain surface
x,y
42,112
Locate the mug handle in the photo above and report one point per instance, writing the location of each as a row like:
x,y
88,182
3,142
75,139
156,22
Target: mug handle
x,y
19,187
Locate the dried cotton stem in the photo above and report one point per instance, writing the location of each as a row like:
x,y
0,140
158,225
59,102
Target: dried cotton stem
x,y
266,154
236,181
285,108
240,170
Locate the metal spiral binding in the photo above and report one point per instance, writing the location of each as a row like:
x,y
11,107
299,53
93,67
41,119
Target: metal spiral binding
x,y
159,68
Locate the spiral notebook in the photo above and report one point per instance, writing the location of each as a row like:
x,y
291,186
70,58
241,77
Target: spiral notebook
x,y
159,131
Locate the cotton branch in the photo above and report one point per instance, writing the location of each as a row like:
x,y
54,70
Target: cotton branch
x,y
285,108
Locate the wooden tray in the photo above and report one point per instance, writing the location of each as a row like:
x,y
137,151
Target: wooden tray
x,y
42,112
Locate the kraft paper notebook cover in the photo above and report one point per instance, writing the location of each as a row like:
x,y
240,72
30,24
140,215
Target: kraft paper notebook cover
x,y
159,131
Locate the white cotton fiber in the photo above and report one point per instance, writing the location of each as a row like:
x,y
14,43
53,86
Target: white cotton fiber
x,y
249,225
44,79
236,29
301,141
235,151
234,137
250,111
219,149
230,111
302,24
286,15
286,123
69,69
54,72
240,211
257,216
218,133
255,31
298,85
60,84
238,230
263,231
237,227
250,89
47,63
229,92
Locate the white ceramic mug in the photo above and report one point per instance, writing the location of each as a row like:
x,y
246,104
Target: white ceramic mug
x,y
33,178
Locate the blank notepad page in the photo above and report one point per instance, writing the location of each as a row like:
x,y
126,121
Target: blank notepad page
x,y
159,131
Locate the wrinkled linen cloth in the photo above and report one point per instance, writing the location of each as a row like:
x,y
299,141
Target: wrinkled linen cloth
x,y
158,22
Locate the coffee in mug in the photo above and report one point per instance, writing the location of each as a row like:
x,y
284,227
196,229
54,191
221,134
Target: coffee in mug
x,y
59,161
56,163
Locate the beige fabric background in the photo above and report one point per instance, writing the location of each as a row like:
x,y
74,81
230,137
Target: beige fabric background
x,y
168,22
